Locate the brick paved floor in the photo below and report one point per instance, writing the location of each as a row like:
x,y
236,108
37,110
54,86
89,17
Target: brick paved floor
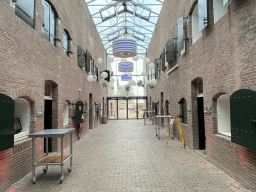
x,y
127,156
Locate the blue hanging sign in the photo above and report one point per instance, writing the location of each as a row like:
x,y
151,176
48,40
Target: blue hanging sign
x,y
125,77
127,67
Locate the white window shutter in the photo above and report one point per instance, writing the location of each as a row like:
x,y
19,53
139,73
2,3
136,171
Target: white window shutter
x,y
225,2
202,14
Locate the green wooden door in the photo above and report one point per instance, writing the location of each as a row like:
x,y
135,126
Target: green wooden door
x,y
6,122
243,118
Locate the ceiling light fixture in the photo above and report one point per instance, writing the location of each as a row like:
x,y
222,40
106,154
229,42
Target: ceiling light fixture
x,y
124,48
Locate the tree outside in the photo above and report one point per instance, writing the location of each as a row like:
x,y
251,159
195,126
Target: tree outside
x,y
122,93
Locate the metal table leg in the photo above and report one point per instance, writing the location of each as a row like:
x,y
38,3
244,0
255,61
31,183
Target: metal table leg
x,y
62,174
33,161
71,153
45,169
159,127
156,126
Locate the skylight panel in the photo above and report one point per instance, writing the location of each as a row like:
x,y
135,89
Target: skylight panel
x,y
113,19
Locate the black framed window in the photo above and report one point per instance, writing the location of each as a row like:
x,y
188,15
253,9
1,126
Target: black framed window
x,y
50,23
66,43
92,67
96,75
183,111
25,10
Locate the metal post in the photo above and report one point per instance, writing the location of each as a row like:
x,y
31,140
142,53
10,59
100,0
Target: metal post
x,y
159,127
156,125
33,161
46,168
46,146
137,107
127,108
62,174
71,152
117,108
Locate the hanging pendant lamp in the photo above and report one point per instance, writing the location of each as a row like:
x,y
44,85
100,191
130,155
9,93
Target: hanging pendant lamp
x,y
124,48
122,0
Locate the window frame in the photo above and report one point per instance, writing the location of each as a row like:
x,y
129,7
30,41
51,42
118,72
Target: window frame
x,y
48,97
183,111
222,100
68,106
52,11
67,51
25,130
196,34
198,92
92,67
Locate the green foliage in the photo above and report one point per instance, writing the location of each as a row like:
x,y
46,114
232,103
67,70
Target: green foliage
x,y
122,93
141,105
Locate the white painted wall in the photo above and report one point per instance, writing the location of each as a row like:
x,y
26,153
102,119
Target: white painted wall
x,y
195,25
219,10
65,113
22,111
223,114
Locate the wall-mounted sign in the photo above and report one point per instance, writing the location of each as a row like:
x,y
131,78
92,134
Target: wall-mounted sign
x,y
39,112
207,109
189,109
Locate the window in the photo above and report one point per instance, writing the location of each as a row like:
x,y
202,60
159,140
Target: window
x,y
25,10
183,111
21,117
96,75
195,25
50,23
150,75
223,114
92,67
219,10
48,90
66,118
157,68
153,74
162,60
181,36
66,43
199,86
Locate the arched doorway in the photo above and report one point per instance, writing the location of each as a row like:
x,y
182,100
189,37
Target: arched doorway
x,y
50,112
198,113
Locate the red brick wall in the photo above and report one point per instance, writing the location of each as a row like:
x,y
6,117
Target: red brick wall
x,y
27,60
224,58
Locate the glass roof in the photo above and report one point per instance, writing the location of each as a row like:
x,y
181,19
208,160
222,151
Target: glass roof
x,y
134,19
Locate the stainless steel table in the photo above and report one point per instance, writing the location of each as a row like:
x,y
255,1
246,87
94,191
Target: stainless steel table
x,y
158,127
150,116
52,160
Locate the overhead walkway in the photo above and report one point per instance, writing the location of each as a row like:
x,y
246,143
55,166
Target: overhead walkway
x,y
126,156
